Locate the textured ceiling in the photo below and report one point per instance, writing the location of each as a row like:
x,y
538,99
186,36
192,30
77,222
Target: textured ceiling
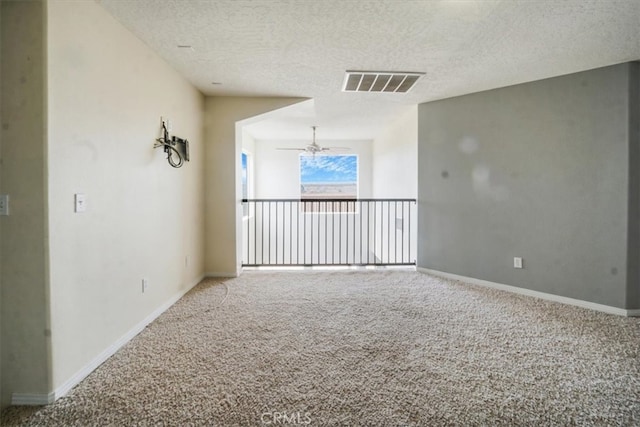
x,y
302,48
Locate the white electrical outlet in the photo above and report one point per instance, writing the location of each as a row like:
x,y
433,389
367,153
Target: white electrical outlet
x,y
145,285
517,262
4,204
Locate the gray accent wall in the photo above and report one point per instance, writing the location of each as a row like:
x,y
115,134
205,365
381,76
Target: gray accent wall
x,y
633,267
540,171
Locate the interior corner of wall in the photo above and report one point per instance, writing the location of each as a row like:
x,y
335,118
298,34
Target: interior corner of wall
x,y
270,108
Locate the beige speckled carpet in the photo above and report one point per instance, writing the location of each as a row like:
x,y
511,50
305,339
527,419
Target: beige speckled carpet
x,y
391,348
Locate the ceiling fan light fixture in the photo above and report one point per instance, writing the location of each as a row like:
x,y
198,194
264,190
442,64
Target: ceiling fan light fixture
x,y
314,148
380,81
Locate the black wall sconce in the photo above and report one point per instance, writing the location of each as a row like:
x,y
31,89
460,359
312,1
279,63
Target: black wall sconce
x,y
177,149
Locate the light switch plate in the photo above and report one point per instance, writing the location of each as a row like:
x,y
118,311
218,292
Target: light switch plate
x,y
4,204
81,202
517,262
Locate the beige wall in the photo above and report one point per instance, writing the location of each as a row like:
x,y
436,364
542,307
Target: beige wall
x,y
82,100
71,298
23,252
395,157
223,134
144,219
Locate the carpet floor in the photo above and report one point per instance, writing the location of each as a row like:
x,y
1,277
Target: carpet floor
x,y
383,348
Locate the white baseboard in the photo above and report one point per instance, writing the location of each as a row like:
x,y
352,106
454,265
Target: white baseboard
x,y
32,399
536,294
220,274
44,399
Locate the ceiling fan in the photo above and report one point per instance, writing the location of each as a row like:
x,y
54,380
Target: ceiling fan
x,y
314,148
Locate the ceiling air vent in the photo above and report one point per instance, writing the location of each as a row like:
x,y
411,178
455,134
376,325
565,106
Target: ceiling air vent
x,y
380,81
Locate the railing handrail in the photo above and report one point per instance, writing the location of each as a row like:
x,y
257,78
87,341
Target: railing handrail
x,y
330,200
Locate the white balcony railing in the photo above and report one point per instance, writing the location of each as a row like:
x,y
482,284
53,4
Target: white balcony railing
x,y
294,232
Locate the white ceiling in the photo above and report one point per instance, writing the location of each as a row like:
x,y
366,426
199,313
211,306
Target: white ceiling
x,y
302,48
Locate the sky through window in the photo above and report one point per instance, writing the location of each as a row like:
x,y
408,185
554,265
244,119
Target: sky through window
x,y
328,169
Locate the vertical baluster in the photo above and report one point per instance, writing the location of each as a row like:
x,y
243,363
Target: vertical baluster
x,y
270,227
345,213
409,235
326,231
262,232
310,217
368,232
318,234
344,208
298,207
338,235
265,232
334,214
282,232
276,231
375,230
360,216
248,231
395,232
279,239
346,233
355,233
402,232
389,227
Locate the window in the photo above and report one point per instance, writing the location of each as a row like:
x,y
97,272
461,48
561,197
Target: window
x,y
329,177
246,182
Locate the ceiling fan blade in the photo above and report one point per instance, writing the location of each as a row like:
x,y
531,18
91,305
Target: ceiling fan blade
x,y
336,148
295,149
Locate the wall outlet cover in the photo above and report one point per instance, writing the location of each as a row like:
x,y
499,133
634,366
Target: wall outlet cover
x,y
517,262
4,204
